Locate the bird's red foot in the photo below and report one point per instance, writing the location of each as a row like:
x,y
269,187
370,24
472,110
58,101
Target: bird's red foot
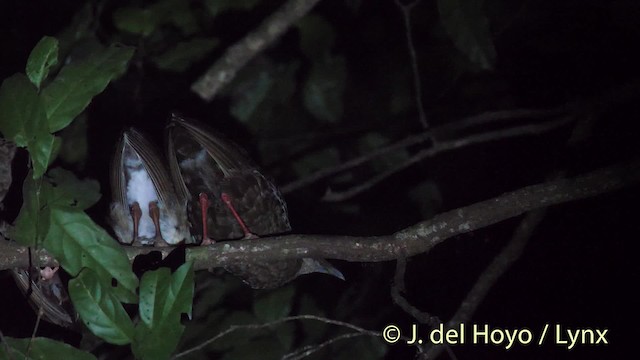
x,y
204,207
227,201
154,213
136,214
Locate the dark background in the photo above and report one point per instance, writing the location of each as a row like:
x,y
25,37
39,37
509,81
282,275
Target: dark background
x,y
578,269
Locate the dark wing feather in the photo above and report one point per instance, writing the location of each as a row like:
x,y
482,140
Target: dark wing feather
x,y
52,308
153,165
118,180
225,153
174,167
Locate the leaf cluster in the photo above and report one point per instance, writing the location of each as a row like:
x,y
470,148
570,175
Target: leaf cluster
x,y
34,108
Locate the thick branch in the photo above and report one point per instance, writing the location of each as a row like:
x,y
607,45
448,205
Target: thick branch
x,y
224,70
413,240
13,255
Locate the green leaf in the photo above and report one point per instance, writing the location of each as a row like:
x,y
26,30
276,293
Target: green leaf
x,y
285,334
178,13
77,242
468,27
182,289
23,120
75,149
324,89
77,31
157,342
40,348
256,91
259,92
274,304
145,21
185,53
313,330
77,83
26,225
316,36
69,192
217,6
163,298
135,20
61,189
212,295
154,287
100,309
42,152
43,56
20,109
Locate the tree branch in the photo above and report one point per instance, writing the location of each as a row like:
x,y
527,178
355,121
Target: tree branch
x,y
417,85
224,70
463,124
413,240
358,331
13,255
500,264
443,146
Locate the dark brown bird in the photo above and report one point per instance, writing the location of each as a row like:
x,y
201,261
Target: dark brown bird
x,y
229,198
145,208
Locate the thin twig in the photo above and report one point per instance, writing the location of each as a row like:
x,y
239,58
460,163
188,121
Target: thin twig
x,y
35,330
499,265
6,346
406,17
491,117
402,302
310,349
443,146
233,328
324,173
460,125
224,70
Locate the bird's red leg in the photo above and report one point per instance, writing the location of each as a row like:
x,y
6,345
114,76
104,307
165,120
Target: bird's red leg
x,y
227,201
204,207
136,214
154,213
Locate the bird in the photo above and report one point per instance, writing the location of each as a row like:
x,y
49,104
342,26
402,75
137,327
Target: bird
x,y
145,208
229,198
47,295
44,288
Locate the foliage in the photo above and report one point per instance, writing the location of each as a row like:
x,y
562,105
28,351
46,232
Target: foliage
x,y
42,348
43,111
33,108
